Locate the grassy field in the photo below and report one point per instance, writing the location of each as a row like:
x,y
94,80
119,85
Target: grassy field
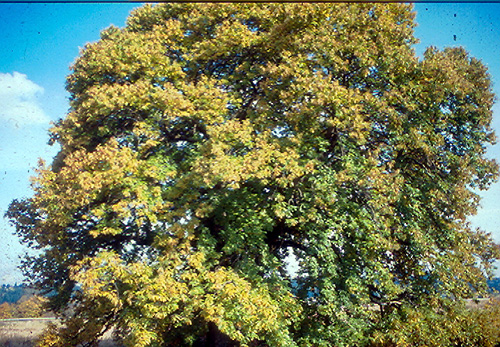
x,y
23,333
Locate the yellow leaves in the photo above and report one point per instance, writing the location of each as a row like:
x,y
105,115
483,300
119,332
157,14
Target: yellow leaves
x,y
139,96
208,99
95,276
105,231
236,153
122,53
196,260
50,337
177,289
242,310
81,180
230,34
110,174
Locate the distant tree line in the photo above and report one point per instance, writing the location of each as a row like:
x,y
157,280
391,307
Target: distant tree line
x,y
12,293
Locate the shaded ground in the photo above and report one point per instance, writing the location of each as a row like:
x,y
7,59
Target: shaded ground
x,y
25,332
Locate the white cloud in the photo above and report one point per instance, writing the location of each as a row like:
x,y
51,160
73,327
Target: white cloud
x,y
18,101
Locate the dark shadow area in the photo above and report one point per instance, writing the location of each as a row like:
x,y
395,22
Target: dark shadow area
x,y
109,343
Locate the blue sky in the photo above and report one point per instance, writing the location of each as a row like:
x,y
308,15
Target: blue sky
x,y
40,41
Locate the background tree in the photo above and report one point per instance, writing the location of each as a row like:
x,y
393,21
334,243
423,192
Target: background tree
x,y
5,310
28,306
207,143
31,306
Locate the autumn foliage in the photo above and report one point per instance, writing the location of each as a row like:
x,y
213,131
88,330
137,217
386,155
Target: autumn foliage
x,y
28,306
206,145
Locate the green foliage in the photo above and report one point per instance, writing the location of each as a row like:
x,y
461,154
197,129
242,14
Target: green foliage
x,y
207,143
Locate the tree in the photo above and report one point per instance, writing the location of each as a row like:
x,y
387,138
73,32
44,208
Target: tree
x,y
207,144
30,306
5,310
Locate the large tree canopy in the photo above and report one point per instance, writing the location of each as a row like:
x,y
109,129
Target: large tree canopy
x,y
207,145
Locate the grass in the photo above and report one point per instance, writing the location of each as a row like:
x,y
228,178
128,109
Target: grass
x,y
24,333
